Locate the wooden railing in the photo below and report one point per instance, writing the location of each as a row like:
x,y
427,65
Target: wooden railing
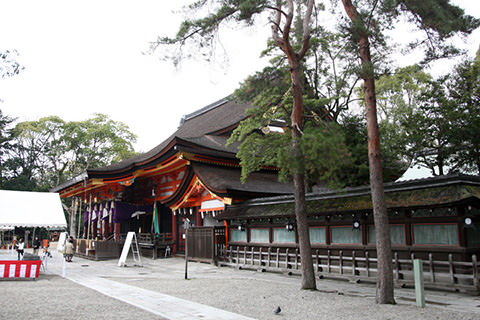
x,y
156,244
358,266
161,238
97,249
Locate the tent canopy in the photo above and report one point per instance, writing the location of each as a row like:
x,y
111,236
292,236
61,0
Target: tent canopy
x,y
31,209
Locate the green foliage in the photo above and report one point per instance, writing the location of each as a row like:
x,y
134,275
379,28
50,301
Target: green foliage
x,y
439,20
415,119
5,142
356,172
356,140
435,122
428,129
322,142
464,98
325,153
439,16
398,96
50,151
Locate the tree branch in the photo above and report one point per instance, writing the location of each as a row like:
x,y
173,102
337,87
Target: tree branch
x,y
276,26
306,30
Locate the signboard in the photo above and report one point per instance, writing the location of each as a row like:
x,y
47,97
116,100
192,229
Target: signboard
x,y
61,241
126,248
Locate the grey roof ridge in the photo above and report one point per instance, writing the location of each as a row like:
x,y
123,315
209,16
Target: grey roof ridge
x,y
365,190
71,182
204,109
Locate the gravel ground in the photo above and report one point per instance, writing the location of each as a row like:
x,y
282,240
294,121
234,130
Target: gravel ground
x,y
258,299
51,297
250,293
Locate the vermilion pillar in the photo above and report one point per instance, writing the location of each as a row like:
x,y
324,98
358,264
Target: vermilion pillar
x,y
198,218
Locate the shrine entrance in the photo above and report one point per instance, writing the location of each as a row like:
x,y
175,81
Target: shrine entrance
x,y
182,221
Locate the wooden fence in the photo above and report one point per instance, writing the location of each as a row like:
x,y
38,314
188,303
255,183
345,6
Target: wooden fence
x,y
359,266
205,243
98,249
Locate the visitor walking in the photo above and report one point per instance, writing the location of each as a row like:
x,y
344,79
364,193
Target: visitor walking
x,y
69,250
36,246
20,247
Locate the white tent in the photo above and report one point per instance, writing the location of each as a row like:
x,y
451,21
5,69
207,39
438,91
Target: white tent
x,y
31,209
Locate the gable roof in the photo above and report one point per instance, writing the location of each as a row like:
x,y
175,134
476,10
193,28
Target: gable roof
x,y
194,128
226,181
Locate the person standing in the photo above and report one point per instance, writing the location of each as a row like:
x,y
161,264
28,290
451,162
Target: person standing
x,y
36,246
20,247
69,250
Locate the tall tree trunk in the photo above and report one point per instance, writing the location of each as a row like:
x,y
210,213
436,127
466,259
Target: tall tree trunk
x,y
281,37
308,273
384,293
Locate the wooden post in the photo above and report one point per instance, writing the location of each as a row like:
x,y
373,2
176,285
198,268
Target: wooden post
x,y
317,260
296,258
286,259
419,285
238,259
116,230
278,258
268,259
186,253
353,263
450,266
475,272
367,264
80,220
244,256
89,216
328,261
340,261
397,266
432,271
260,258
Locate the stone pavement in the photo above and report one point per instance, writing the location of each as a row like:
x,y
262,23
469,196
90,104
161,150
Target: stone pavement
x,y
92,274
122,283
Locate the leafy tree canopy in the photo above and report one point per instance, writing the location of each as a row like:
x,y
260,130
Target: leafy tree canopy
x,y
50,151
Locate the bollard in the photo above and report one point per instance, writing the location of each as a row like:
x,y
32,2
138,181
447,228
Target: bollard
x,y
64,267
419,285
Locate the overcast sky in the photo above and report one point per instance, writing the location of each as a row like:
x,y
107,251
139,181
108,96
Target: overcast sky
x,y
85,57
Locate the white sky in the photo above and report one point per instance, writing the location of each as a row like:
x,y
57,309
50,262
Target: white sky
x,y
85,57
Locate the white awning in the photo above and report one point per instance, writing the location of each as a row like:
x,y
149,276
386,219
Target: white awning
x,y
31,209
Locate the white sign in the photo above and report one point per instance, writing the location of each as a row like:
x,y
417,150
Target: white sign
x,y
211,204
126,248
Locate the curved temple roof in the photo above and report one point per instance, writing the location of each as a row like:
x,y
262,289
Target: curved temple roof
x,y
195,130
200,143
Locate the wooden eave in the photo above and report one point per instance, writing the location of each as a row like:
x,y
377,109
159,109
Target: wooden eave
x,y
184,184
171,164
158,158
